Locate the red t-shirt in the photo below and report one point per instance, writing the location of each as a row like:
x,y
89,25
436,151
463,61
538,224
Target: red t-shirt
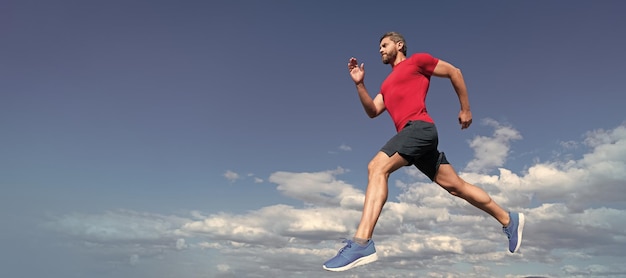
x,y
405,88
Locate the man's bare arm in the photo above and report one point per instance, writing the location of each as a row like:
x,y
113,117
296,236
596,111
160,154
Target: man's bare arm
x,y
373,107
447,70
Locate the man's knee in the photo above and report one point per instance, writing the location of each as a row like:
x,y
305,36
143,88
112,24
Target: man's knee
x,y
454,188
382,164
376,167
448,179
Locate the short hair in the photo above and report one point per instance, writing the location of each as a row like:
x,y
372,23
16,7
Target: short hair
x,y
395,37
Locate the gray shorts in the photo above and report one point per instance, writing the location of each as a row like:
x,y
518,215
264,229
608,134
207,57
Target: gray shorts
x,y
417,143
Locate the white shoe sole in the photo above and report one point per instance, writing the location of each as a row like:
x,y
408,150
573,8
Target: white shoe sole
x,y
520,229
360,261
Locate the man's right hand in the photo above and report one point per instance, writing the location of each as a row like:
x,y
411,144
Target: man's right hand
x,y
357,73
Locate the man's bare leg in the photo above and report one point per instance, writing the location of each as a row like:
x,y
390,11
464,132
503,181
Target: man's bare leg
x,y
361,250
379,169
448,179
513,222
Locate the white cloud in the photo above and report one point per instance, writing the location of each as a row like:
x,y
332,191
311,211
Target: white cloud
x,y
490,152
569,144
321,188
576,218
231,176
120,226
122,236
590,181
275,226
344,147
181,244
223,268
254,178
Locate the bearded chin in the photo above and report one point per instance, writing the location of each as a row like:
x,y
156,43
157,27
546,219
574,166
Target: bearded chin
x,y
388,58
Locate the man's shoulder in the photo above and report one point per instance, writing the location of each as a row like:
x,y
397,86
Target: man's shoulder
x,y
421,55
423,59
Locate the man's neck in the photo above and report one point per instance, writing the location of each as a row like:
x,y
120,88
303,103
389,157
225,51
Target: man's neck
x,y
399,58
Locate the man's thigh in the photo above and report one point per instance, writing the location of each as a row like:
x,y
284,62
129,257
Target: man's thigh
x,y
384,163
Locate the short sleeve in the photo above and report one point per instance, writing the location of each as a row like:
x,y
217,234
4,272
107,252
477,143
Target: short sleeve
x,y
425,63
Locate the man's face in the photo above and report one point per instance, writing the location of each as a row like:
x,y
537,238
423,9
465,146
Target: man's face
x,y
388,50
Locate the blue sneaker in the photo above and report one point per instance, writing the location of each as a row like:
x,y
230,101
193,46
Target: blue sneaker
x,y
352,255
514,230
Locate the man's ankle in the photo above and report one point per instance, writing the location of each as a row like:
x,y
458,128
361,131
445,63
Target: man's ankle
x,y
361,241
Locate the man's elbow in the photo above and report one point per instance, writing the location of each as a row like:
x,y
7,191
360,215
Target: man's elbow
x,y
448,71
373,113
455,72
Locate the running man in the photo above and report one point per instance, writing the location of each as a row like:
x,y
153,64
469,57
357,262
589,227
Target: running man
x,y
403,95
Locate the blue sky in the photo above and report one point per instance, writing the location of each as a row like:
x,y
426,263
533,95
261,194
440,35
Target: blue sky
x,y
226,139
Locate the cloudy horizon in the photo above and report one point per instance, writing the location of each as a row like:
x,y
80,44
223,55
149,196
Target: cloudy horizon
x,y
422,231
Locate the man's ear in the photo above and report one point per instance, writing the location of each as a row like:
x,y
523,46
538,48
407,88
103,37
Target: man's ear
x,y
399,45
